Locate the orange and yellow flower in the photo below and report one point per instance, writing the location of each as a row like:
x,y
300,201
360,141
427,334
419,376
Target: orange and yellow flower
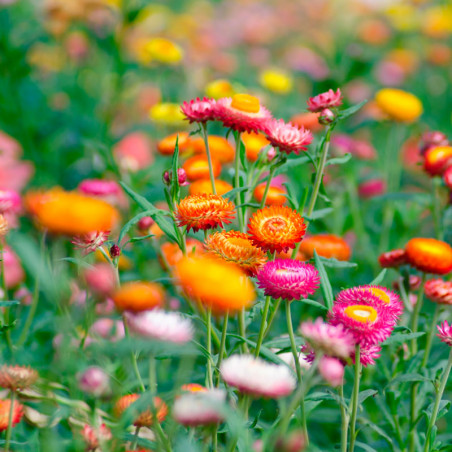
x,y
5,407
429,255
145,418
197,167
399,105
138,296
205,186
326,245
275,195
219,147
437,160
172,254
167,145
254,143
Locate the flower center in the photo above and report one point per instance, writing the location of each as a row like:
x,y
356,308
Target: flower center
x,y
245,103
242,243
381,294
275,224
361,313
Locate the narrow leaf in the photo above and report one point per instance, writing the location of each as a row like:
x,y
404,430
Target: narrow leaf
x,y
325,284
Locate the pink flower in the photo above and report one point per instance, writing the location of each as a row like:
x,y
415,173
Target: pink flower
x,y
100,278
439,291
200,408
161,325
14,273
199,110
257,377
99,187
94,437
371,188
14,175
287,137
9,201
368,355
9,147
447,177
91,241
361,149
329,339
133,152
240,119
94,381
332,370
109,329
445,333
433,139
289,279
328,99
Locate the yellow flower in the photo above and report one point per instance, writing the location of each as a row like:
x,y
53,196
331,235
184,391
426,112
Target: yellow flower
x,y
399,105
403,17
162,51
276,80
166,112
219,88
437,22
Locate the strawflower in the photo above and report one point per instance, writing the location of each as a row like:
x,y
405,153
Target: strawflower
x,y
137,296
5,407
329,99
368,355
445,333
144,418
429,255
287,137
439,291
332,370
199,110
89,242
17,377
399,105
437,160
392,259
326,245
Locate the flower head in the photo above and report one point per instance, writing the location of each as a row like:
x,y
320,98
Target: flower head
x,y
5,408
143,418
257,377
447,177
99,187
437,160
236,247
197,167
220,285
439,291
199,110
172,254
429,255
276,80
287,137
94,381
201,186
392,259
204,211
276,228
137,296
90,241
332,370
331,340
399,105
94,437
445,333
161,325
9,201
242,112
289,279
326,245
219,147
329,99
17,377
167,145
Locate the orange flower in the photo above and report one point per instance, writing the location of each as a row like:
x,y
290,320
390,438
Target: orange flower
x,y
276,228
219,147
204,186
172,254
145,418
204,211
275,195
167,145
326,245
197,167
18,412
429,255
138,296
215,283
437,160
308,121
236,247
193,387
254,142
71,213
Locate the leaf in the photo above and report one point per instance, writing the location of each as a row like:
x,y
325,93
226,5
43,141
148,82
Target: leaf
x,y
325,285
6,304
317,214
291,163
365,447
315,303
351,110
379,278
363,395
125,229
404,378
75,261
231,193
339,160
334,263
400,338
175,186
379,430
420,198
242,148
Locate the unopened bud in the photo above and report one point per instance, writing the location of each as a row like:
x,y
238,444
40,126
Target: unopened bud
x,y
326,116
145,223
115,251
94,381
271,154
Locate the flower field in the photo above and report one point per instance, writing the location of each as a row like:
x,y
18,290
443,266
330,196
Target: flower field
x,y
225,225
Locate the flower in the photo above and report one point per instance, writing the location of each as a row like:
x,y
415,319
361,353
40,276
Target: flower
x,y
94,437
275,195
4,226
399,105
308,121
367,318
74,214
161,325
161,50
445,333
99,187
219,88
276,80
287,137
371,188
289,279
197,167
331,340
199,110
167,113
100,278
329,99
204,211
133,152
94,381
5,407
215,283
205,186
200,408
439,291
332,370
143,418
9,201
367,355
437,160
193,387
447,177
326,245
257,377
17,377
167,145
181,177
91,241
137,296
392,259
276,228
236,247
433,139
254,144
242,112
172,254
429,255
219,148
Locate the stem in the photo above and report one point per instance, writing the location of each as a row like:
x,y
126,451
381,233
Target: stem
x,y
209,157
242,329
222,343
10,421
263,324
439,396
5,296
345,418
238,196
355,398
437,207
209,377
133,357
292,340
152,375
267,186
272,317
416,311
135,438
431,333
31,314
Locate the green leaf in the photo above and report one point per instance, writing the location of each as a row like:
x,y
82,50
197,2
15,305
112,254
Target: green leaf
x,y
325,285
175,186
334,263
351,110
317,214
75,261
404,378
400,338
231,193
379,278
125,229
421,198
339,160
363,395
315,304
6,304
243,159
291,163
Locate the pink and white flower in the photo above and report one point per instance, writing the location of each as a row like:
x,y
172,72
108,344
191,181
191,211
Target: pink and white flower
x,y
89,243
445,333
9,201
332,370
199,110
329,99
439,291
287,137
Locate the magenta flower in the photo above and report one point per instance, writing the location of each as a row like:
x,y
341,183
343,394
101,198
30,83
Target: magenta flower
x,y
325,100
368,355
199,110
91,241
329,339
445,333
257,377
287,137
332,370
439,291
99,187
9,201
289,279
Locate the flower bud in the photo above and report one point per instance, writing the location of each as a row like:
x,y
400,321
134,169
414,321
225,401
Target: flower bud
x,y
293,442
332,370
181,177
94,381
326,116
115,251
145,223
271,154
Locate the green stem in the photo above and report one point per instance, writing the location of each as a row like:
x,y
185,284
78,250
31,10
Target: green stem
x,y
238,196
345,418
5,297
272,317
242,329
415,316
10,422
152,375
263,324
267,186
437,207
209,377
133,357
209,157
431,333
224,332
355,398
135,438
293,346
31,314
439,396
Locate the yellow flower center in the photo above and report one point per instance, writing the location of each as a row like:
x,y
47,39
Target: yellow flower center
x,y
361,313
245,103
381,294
238,241
275,224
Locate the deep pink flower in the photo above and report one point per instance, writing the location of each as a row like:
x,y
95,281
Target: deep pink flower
x,y
447,177
332,370
109,329
133,152
445,333
329,339
439,291
99,187
95,436
368,355
289,279
9,201
94,381
371,188
199,110
257,377
328,99
287,137
100,278
433,139
14,273
91,241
